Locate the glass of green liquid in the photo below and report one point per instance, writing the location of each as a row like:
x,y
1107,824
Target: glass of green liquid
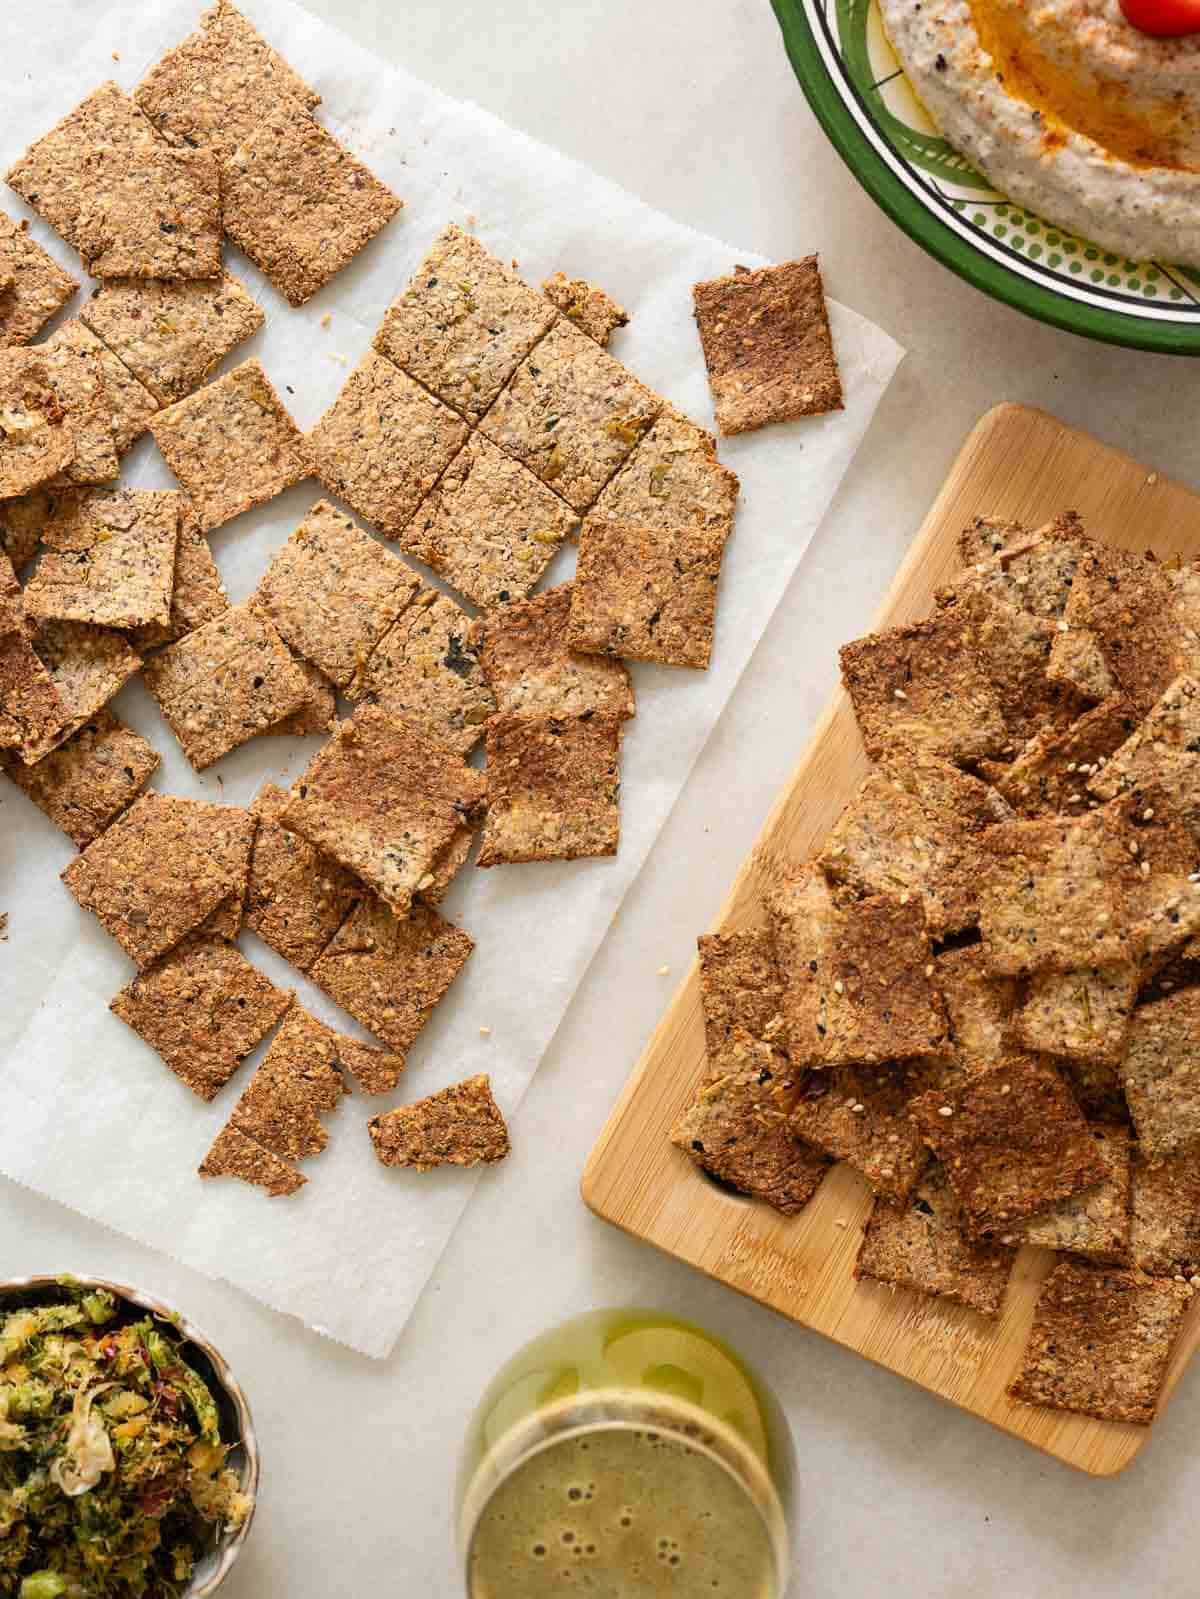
x,y
626,1455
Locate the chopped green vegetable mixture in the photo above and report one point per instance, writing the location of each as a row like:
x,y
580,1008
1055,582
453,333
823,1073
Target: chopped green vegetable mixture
x,y
113,1480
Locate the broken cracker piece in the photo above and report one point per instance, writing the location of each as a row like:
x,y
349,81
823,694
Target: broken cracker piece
x,y
234,1155
553,788
1095,1222
1050,775
38,287
459,1126
37,439
526,659
979,1006
592,310
859,1114
113,561
297,898
85,784
1164,750
197,593
1165,1231
88,666
298,1079
741,995
985,536
317,712
1160,1073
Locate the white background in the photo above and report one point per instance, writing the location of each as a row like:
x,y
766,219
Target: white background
x,y
691,104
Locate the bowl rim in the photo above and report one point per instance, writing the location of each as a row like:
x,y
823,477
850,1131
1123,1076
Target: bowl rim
x,y
231,1544
937,240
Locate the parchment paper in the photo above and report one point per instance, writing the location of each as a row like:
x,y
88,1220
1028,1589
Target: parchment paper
x,y
89,1115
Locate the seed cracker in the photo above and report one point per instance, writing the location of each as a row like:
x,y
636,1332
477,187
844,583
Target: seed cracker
x,y
1100,1342
385,800
1014,1144
464,323
1161,1073
297,898
737,1130
231,444
1080,1015
172,334
1165,750
593,311
33,714
985,536
1015,649
316,714
1077,662
123,405
234,1155
673,479
489,526
767,345
553,788
333,591
38,287
426,670
85,784
197,592
459,1126
298,1079
383,443
88,667
525,657
112,560
1033,572
299,203
1165,1234
741,995
945,788
74,374
1050,775
37,438
203,1008
859,1114
389,974
979,1006
160,869
647,594
920,1245
21,520
149,211
50,175
224,683
1095,1223
572,414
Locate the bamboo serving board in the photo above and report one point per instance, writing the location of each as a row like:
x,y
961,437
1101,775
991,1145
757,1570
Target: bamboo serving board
x,y
1020,464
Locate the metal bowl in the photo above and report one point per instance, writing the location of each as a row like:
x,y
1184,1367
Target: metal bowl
x,y
237,1425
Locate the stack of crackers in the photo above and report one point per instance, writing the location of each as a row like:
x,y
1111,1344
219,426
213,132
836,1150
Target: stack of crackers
x,y
983,992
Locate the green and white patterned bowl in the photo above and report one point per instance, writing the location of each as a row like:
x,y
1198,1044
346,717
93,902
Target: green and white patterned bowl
x,y
866,105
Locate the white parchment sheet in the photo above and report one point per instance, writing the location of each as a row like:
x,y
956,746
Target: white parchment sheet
x,y
88,1114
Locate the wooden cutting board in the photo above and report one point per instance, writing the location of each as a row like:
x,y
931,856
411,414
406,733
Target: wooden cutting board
x,y
1017,463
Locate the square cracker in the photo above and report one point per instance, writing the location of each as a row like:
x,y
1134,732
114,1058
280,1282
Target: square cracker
x,y
197,592
297,898
1161,1073
767,345
85,784
489,527
1100,1342
459,1126
1050,775
390,974
572,414
736,1129
172,334
1164,749
426,669
979,1006
385,800
232,445
857,973
74,373
298,1079
1165,1233
649,594
333,591
299,203
383,443
741,995
1094,1223
203,1008
37,438
161,869
88,667
859,1114
234,1155
592,310
224,683
110,559
149,211
50,175
212,89
553,788
1080,1015
673,479
38,287
526,659
123,406
1013,1142
919,1245
464,323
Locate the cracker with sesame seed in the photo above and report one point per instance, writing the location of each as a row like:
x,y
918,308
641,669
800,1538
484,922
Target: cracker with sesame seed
x,y
298,1080
197,593
572,414
767,345
1014,650
85,784
426,670
161,869
203,1008
741,995
1159,858
593,311
736,1129
1077,663
1012,1140
1033,572
979,1006
1165,1232
1164,750
234,1155
489,527
149,211
1161,1073
228,681
111,559
38,287
37,436
299,203
232,445
459,1126
172,334
553,788
859,1114
464,323
297,898
941,786
919,1245
1094,1223
213,89
389,974
1051,774
1080,1015
647,594
673,479
531,669
333,591
383,443
88,667
384,800
124,404
1100,1342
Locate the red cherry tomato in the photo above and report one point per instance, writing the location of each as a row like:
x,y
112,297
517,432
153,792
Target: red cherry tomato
x,y
1165,19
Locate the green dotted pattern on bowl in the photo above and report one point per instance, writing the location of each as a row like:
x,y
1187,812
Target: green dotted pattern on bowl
x,y
1036,254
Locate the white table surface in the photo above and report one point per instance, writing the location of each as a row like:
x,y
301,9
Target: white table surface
x,y
691,104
